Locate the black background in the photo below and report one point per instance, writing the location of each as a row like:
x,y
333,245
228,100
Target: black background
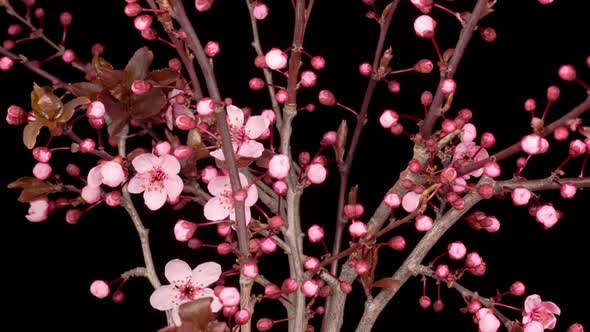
x,y
48,267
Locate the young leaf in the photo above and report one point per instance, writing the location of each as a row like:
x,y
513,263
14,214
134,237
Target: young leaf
x,y
195,314
139,64
340,146
30,134
388,283
33,188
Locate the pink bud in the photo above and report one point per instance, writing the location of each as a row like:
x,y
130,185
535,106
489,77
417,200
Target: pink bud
x,y
424,26
315,233
388,118
212,48
272,291
113,198
224,229
534,144
68,56
229,296
140,87
223,248
487,321
473,260
42,171
276,59
576,327
280,187
393,86
250,269
184,230
327,98
517,288
448,86
100,289
264,324
310,288
577,148
208,173
91,194
425,6
256,83
203,5
545,2
260,10
282,96
318,62
392,200
196,244
553,93
308,79
424,66
547,215
242,316
424,301
95,110
457,250
42,154
410,201
426,98
449,126
438,305
142,22
568,190
316,173
345,287
488,140
567,73
521,196
365,69
397,243
205,106
182,152
268,245
289,286
361,267
276,222
448,175
442,271
358,229
561,133
65,19
423,223
279,166
311,264
491,169
489,34
14,29
73,216
132,9
15,115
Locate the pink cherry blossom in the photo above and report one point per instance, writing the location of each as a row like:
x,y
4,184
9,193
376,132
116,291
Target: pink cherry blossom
x,y
42,171
423,223
110,173
157,177
487,321
250,269
205,106
38,210
388,118
91,194
540,311
243,135
392,200
547,216
457,250
229,296
568,190
221,205
471,152
260,11
185,286
358,229
276,59
279,166
310,288
175,110
311,263
469,132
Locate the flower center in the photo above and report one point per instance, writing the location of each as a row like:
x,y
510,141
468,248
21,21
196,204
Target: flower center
x,y
541,315
186,291
238,135
157,177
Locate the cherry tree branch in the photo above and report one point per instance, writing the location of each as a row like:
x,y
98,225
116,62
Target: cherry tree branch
x,y
38,33
267,73
55,81
466,33
576,112
549,183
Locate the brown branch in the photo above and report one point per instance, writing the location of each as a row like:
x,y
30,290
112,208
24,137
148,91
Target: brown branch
x,y
373,307
435,108
345,168
267,73
550,183
576,112
55,81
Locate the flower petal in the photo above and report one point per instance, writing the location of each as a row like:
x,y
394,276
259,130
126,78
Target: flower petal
x,y
173,185
176,316
177,270
255,126
138,183
205,274
531,302
251,149
154,199
217,154
163,297
252,196
215,303
219,185
95,176
112,174
169,164
235,116
551,307
216,209
145,162
247,212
